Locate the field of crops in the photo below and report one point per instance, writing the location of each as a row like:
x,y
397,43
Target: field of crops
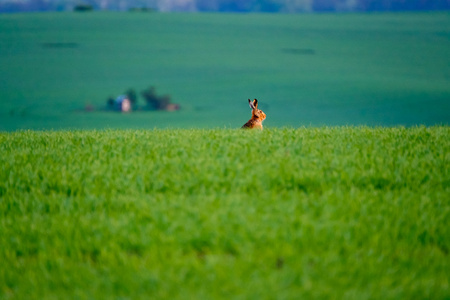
x,y
326,69
330,212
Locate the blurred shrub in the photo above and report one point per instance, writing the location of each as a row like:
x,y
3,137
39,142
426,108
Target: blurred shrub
x,y
154,101
132,96
110,102
82,7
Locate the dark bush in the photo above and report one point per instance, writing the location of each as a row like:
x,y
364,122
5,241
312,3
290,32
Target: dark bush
x,y
154,101
110,102
83,7
132,96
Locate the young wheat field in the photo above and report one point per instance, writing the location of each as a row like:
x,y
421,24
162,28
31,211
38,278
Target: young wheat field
x,y
307,213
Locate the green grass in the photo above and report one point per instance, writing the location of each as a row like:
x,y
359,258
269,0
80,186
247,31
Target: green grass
x,y
330,212
371,69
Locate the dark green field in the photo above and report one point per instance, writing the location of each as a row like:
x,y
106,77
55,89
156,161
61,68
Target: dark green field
x,y
373,69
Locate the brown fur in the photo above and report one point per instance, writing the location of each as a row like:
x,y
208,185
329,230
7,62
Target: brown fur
x,y
258,116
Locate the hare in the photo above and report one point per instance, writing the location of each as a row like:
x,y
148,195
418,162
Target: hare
x,y
258,116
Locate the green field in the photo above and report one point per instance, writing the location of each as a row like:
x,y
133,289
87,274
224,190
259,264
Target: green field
x,y
181,205
307,213
326,69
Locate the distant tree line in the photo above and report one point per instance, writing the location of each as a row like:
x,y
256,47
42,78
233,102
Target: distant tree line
x,y
286,6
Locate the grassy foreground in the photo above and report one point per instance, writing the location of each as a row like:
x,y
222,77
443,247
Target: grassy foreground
x,y
332,212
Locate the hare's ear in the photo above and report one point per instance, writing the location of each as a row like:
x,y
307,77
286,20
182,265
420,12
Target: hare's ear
x,y
255,103
251,104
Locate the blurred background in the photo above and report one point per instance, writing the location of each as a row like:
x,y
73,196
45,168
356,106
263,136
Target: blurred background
x,y
287,6
194,63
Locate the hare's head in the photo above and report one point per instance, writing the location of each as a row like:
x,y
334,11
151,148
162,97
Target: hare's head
x,y
257,114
